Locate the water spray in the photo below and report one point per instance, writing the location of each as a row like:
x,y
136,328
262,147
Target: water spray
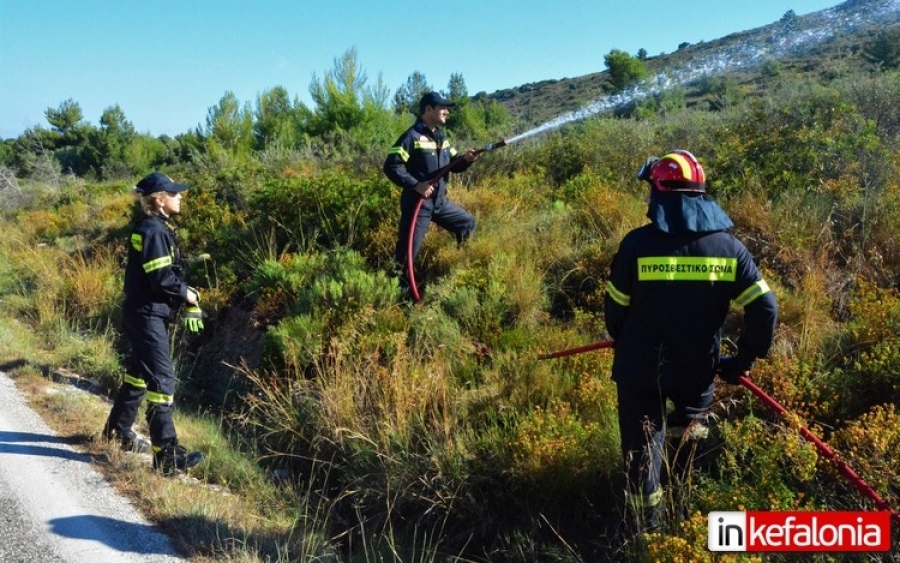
x,y
744,56
564,119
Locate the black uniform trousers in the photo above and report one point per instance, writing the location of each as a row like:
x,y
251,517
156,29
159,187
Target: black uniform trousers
x,y
150,375
642,424
442,212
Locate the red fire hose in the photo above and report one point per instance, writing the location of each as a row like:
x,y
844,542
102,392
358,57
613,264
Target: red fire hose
x,y
827,452
823,448
411,276
579,350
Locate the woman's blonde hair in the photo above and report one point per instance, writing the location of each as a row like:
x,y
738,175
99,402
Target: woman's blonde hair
x,y
148,202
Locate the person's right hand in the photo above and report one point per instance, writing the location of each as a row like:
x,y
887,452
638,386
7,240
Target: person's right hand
x,y
731,369
424,189
193,319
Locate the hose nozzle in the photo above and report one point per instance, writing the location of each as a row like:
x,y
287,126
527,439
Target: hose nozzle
x,y
491,146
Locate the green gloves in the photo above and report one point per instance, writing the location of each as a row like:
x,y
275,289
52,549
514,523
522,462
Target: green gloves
x,y
193,319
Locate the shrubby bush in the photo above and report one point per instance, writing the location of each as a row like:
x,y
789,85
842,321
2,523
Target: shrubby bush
x,y
327,210
309,297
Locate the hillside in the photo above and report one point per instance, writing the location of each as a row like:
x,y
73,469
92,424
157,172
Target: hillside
x,y
821,45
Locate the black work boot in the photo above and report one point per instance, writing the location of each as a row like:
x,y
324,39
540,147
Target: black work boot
x,y
128,441
170,459
131,442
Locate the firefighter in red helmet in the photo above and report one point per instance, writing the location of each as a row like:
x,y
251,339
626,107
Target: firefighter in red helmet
x,y
668,294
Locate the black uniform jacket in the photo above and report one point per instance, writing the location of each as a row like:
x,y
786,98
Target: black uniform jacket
x,y
670,286
152,281
417,155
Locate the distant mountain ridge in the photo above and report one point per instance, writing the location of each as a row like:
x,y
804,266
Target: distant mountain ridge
x,y
809,45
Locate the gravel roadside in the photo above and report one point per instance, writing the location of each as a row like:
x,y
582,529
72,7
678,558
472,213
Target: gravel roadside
x,y
54,507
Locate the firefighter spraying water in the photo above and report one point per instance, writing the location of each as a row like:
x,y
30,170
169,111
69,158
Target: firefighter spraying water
x,y
420,161
410,246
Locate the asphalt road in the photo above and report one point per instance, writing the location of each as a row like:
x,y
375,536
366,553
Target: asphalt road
x,y
55,508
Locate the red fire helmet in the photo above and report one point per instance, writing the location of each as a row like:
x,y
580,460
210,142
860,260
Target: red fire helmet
x,y
677,171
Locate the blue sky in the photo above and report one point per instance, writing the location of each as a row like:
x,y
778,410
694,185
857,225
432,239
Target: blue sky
x,y
166,62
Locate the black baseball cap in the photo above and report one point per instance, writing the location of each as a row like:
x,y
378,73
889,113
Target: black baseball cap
x,y
158,182
434,99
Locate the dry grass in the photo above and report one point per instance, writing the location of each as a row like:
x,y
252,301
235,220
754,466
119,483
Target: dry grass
x,y
206,521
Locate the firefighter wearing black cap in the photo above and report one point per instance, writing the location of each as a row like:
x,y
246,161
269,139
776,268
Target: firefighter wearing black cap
x,y
668,295
153,285
411,164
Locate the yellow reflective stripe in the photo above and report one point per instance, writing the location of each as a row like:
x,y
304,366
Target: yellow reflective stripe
x,y
159,398
617,296
135,381
639,501
752,292
154,265
425,145
687,268
401,152
683,163
137,241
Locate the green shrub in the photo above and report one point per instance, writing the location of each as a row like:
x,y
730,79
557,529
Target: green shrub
x,y
874,314
329,209
762,467
866,373
344,286
556,450
797,148
565,447
612,149
871,445
275,284
297,342
310,297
